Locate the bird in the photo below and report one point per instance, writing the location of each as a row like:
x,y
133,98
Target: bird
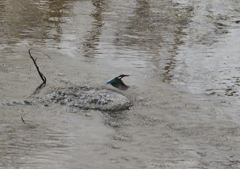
x,y
118,83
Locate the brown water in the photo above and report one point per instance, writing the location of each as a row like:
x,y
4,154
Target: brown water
x,y
184,65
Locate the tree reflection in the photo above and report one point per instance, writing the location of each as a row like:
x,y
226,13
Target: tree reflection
x,y
38,20
155,27
92,39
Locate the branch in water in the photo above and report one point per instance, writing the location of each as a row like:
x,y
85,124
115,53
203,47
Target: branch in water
x,y
44,79
23,120
39,88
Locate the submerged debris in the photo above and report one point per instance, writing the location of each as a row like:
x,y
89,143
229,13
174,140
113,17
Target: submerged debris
x,y
82,98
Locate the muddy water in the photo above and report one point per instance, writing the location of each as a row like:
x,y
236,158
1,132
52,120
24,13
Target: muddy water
x,y
183,60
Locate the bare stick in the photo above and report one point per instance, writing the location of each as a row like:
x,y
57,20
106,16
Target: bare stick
x,y
44,79
23,120
39,88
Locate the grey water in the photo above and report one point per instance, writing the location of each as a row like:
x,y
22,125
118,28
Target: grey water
x,y
183,62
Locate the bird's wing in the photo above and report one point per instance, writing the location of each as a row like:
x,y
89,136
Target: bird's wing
x,y
109,81
122,85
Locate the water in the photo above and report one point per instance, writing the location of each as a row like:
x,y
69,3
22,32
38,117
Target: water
x,y
182,57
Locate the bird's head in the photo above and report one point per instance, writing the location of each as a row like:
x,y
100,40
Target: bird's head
x,y
122,75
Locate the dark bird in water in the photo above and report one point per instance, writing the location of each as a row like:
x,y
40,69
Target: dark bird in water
x,y
118,83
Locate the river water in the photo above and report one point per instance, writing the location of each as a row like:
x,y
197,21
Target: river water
x,y
182,58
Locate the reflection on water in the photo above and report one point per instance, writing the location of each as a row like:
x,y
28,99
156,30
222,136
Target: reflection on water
x,y
179,43
186,43
207,61
34,22
92,39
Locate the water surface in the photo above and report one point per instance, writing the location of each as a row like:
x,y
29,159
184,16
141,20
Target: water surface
x,y
183,60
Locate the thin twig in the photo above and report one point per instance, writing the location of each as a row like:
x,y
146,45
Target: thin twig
x,y
44,79
23,120
39,88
